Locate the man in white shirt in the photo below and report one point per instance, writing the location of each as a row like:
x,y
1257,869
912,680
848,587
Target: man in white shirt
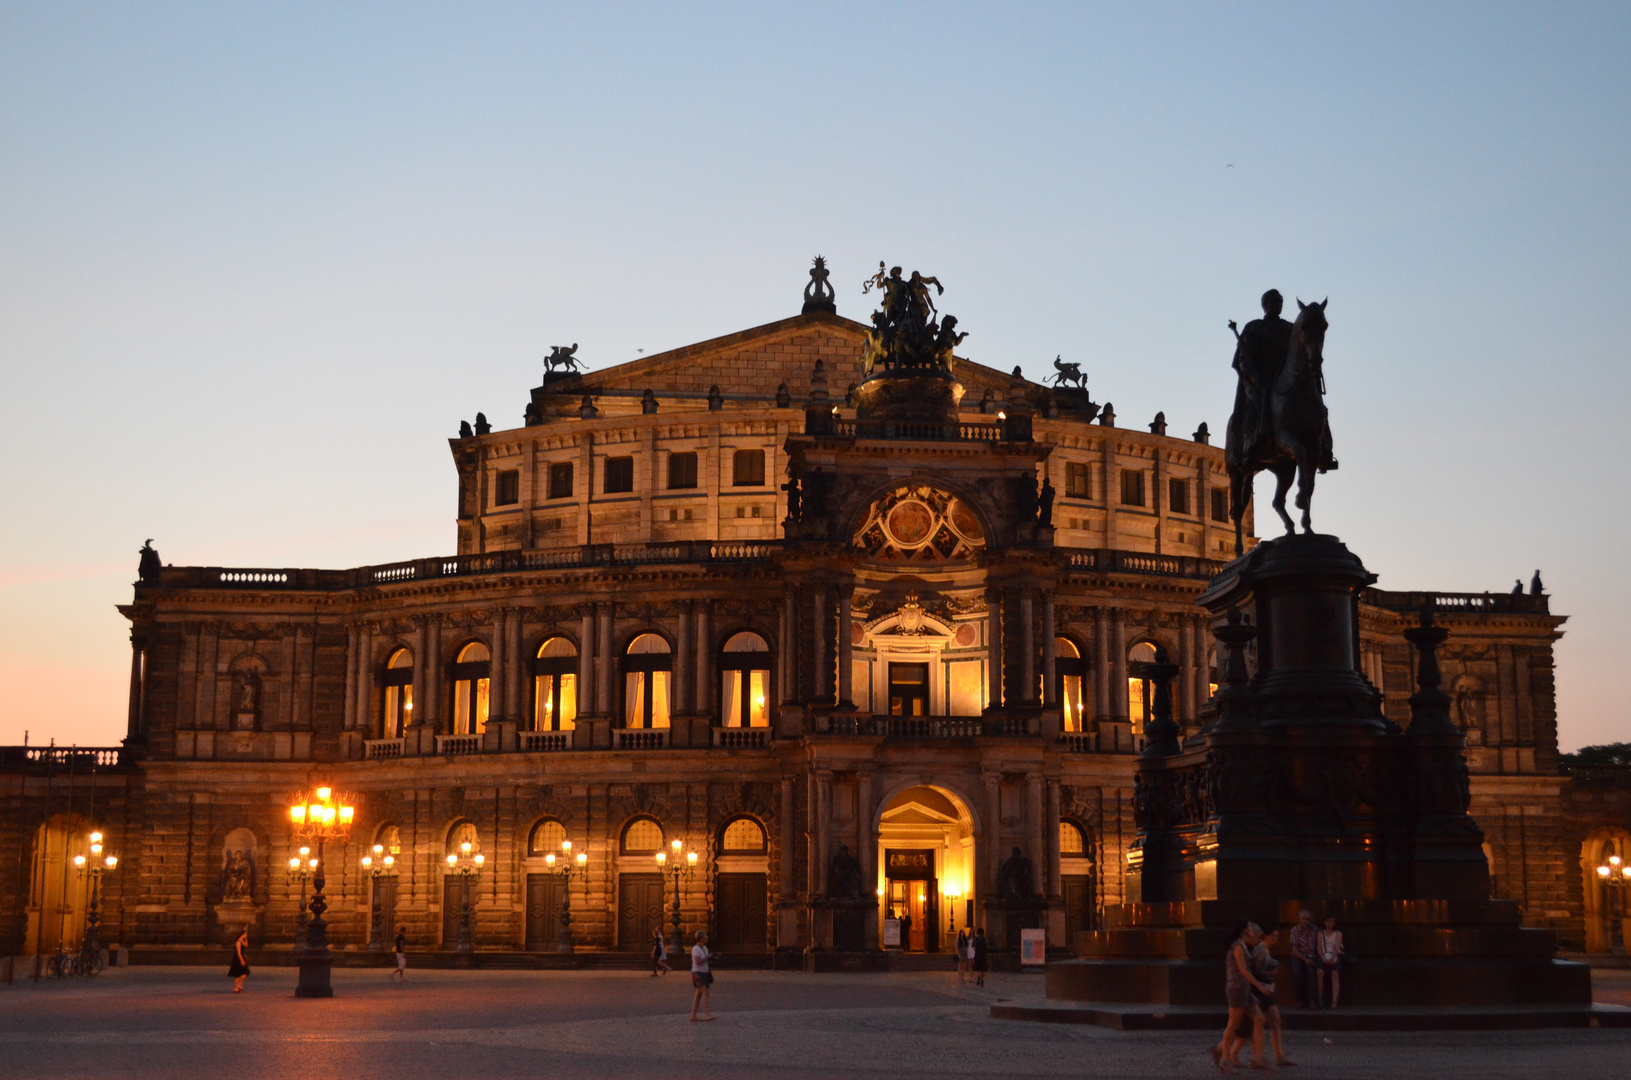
x,y
701,978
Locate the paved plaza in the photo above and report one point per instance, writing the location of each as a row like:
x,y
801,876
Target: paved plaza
x,y
186,1023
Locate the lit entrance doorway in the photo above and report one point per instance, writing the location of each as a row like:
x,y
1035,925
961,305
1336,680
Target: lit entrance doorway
x,y
56,896
925,869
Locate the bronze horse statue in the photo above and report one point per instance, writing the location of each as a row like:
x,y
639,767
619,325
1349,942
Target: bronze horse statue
x,y
1294,435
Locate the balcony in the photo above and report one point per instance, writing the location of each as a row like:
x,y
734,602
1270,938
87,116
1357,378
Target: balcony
x,y
61,759
749,738
545,741
458,744
382,749
640,738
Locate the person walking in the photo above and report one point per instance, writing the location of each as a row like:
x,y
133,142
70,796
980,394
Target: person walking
x,y
701,978
962,955
659,953
1330,955
1264,965
979,958
1238,984
240,962
1305,958
401,972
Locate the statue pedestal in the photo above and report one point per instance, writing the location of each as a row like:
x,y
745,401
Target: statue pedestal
x,y
234,915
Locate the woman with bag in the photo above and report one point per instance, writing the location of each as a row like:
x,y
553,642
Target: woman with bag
x,y
239,971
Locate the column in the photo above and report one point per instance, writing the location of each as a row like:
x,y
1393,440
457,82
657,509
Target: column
x,y
365,680
866,844
1101,665
520,678
1027,646
498,674
1118,664
823,651
433,673
604,697
1041,851
133,722
1184,685
993,836
421,645
788,840
1056,885
823,827
684,663
846,644
812,800
1050,654
588,685
351,678
704,657
785,647
993,635
1203,678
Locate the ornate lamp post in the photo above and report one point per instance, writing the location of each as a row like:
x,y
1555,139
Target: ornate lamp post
x,y
676,868
301,869
379,864
1615,875
952,894
321,817
566,865
467,865
92,869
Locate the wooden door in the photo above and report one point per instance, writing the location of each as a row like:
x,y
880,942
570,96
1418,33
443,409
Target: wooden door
x,y
382,924
740,922
452,897
639,910
543,912
1078,892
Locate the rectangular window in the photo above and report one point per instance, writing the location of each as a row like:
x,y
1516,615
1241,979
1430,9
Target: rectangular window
x,y
908,689
560,480
508,490
1220,504
1132,487
619,475
682,471
1177,496
1077,483
749,470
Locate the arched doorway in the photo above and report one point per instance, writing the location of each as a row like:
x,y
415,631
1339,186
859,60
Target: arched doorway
x,y
1607,849
926,875
56,895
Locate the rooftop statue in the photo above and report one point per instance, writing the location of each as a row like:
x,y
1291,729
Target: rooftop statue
x,y
1280,421
906,333
1067,374
818,294
561,359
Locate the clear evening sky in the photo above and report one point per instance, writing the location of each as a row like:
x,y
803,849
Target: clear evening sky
x,y
257,262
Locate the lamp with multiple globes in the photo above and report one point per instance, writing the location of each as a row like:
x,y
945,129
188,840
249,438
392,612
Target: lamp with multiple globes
x,y
91,868
301,868
565,865
467,863
320,816
1615,874
683,864
952,895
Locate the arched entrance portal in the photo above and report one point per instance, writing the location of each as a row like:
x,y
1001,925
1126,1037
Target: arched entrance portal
x,y
1606,900
56,895
925,869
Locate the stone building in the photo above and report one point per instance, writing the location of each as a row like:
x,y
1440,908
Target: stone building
x,y
866,630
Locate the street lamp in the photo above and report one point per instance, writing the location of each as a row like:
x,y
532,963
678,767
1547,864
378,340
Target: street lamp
x,y
301,869
1615,875
677,868
92,869
378,864
467,865
321,817
952,895
567,863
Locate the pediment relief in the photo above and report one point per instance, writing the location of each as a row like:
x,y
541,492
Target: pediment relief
x,y
919,523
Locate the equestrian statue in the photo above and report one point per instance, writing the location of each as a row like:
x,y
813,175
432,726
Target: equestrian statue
x,y
1280,421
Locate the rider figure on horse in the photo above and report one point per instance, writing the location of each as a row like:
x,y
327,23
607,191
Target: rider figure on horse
x,y
1260,353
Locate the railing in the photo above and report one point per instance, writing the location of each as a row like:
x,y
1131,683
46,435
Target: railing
x,y
741,738
458,744
533,741
903,727
382,749
640,738
1472,603
61,757
1111,561
925,430
1079,742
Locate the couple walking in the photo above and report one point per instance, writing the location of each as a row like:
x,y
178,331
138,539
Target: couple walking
x,y
1249,968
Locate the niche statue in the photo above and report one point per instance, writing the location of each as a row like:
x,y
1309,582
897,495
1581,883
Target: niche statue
x,y
844,876
1015,881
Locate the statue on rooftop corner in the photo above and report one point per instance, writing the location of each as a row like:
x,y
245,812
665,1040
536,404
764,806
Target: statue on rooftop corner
x,y
1280,421
150,566
1067,374
818,294
561,359
908,332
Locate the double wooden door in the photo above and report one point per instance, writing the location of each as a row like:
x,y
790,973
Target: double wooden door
x,y
740,922
1079,905
639,910
543,912
452,906
382,923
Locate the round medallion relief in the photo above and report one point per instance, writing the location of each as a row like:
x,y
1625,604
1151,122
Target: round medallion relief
x,y
857,633
965,520
966,636
909,522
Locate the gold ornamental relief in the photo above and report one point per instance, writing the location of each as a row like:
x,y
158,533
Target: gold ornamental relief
x,y
918,523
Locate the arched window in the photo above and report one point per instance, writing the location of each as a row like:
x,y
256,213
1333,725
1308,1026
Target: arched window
x,y
642,836
744,836
462,833
1140,690
555,686
1071,839
1211,673
647,665
398,682
1071,671
546,838
470,690
744,695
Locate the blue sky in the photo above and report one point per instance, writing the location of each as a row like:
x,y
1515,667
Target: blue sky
x,y
256,262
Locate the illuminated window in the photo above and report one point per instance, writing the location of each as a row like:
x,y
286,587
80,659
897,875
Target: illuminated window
x,y
642,836
744,695
555,686
470,689
1078,484
1071,840
682,470
398,682
546,838
647,667
744,836
1140,689
908,689
1071,671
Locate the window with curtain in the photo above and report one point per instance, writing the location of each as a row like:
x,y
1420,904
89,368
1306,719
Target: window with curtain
x,y
471,685
398,680
1071,671
648,667
744,695
555,686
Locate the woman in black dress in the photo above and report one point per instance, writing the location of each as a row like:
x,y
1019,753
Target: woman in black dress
x,y
240,962
980,961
